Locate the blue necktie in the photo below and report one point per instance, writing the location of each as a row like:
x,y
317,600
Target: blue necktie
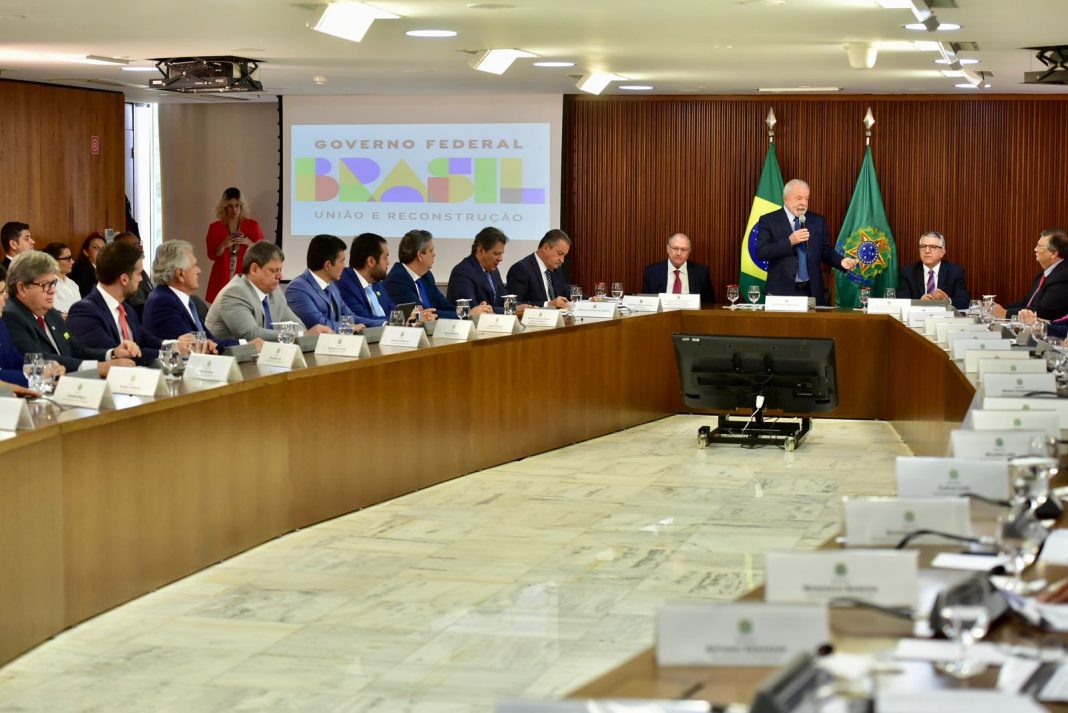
x,y
493,290
333,306
802,256
267,321
372,299
422,292
196,317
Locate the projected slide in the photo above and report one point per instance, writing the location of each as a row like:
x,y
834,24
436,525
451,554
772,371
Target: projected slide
x,y
450,179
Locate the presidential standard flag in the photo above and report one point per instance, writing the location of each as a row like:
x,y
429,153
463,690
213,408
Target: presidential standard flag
x,y
866,236
768,198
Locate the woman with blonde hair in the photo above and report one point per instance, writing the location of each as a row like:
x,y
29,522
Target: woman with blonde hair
x,y
228,238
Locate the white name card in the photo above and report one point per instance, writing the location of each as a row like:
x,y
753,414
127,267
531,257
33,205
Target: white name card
x,y
749,634
459,330
500,323
960,342
212,367
998,445
1011,366
962,325
136,381
281,356
926,317
342,345
669,301
14,414
783,303
886,577
1046,421
621,705
533,317
996,348
926,477
641,303
405,337
588,309
889,305
1036,403
1017,384
83,393
883,522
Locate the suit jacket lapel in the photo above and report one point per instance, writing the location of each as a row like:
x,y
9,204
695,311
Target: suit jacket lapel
x,y
108,319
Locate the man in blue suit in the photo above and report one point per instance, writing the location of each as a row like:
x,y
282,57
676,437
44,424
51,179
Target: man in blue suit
x,y
410,280
314,295
361,284
795,243
101,319
537,279
933,278
678,274
170,310
476,277
10,357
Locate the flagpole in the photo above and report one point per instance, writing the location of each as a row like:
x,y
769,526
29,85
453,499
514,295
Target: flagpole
x,y
770,121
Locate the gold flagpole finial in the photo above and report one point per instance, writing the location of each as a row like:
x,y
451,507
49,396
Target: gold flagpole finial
x,y
869,121
771,121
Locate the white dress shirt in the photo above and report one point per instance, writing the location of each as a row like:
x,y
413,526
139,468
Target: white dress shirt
x,y
682,276
67,293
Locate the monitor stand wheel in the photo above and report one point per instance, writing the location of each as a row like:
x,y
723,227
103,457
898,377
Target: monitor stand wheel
x,y
784,432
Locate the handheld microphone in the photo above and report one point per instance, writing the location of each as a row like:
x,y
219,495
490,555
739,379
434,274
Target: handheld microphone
x,y
801,221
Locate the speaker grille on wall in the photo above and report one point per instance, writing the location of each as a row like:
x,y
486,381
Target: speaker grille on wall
x,y
206,74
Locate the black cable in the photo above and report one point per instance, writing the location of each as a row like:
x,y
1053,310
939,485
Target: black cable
x,y
989,501
896,612
949,536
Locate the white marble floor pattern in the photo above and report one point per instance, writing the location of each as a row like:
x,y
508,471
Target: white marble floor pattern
x,y
525,580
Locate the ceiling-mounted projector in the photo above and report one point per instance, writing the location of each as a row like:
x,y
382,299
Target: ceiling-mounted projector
x,y
1056,58
199,75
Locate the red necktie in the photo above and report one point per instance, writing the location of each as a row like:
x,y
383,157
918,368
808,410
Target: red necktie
x,y
676,289
124,326
40,321
1037,290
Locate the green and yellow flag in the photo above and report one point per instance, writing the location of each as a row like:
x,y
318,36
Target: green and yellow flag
x,y
768,198
866,237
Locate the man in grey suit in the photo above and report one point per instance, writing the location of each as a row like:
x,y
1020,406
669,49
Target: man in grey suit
x,y
250,303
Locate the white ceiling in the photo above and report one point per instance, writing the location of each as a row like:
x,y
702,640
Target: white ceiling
x,y
678,46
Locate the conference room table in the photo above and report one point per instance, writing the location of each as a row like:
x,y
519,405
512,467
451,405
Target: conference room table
x,y
98,508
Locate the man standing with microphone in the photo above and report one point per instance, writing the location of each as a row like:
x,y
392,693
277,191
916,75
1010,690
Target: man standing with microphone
x,y
795,243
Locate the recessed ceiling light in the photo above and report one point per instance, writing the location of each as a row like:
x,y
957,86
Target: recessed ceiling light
x,y
348,20
554,64
942,27
596,82
497,61
967,86
962,61
139,69
636,87
430,33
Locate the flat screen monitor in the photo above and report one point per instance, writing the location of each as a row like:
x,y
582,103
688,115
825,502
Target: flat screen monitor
x,y
795,375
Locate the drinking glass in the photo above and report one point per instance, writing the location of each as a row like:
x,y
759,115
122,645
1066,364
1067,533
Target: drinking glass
x,y
965,624
753,294
576,293
170,361
599,289
287,332
732,294
890,293
617,290
1017,541
865,295
416,317
975,307
346,324
1039,329
463,308
33,369
510,302
200,342
50,376
396,318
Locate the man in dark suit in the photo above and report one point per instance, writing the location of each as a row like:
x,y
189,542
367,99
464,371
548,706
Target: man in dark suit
x,y
144,289
170,310
1048,296
476,277
933,278
15,238
38,328
361,285
537,279
795,243
10,357
314,295
102,319
410,280
678,275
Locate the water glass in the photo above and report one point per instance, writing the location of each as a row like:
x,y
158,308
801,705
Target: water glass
x,y
346,324
287,332
200,342
865,295
975,308
965,624
600,289
33,369
617,290
463,308
890,293
510,302
1019,536
170,361
1039,329
396,318
416,317
576,293
50,376
732,294
753,294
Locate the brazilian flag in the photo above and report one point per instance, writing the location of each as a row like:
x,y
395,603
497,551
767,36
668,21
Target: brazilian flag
x,y
866,237
768,198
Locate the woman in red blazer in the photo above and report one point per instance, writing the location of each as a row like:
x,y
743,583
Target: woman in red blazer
x,y
228,238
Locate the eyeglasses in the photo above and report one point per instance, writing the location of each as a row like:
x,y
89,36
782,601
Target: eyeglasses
x,y
930,247
46,286
1042,247
68,258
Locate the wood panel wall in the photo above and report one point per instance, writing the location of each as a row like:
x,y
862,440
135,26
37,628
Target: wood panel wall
x,y
988,172
50,178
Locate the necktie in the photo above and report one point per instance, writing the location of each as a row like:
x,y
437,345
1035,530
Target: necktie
x,y
267,321
802,256
676,289
493,289
422,292
1037,290
372,299
48,333
124,326
549,292
333,305
930,281
195,316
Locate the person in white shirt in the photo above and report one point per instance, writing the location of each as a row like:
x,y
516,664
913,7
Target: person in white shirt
x,y
67,292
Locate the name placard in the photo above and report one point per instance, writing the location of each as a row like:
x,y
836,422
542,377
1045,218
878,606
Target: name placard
x,y
927,477
669,301
999,445
501,323
552,318
932,317
995,347
136,381
458,330
622,705
886,577
83,393
889,305
1035,403
1017,384
641,303
783,303
963,325
404,337
883,522
342,345
744,634
212,367
588,309
281,356
14,414
1011,366
1046,421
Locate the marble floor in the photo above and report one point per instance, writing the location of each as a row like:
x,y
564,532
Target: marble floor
x,y
523,580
